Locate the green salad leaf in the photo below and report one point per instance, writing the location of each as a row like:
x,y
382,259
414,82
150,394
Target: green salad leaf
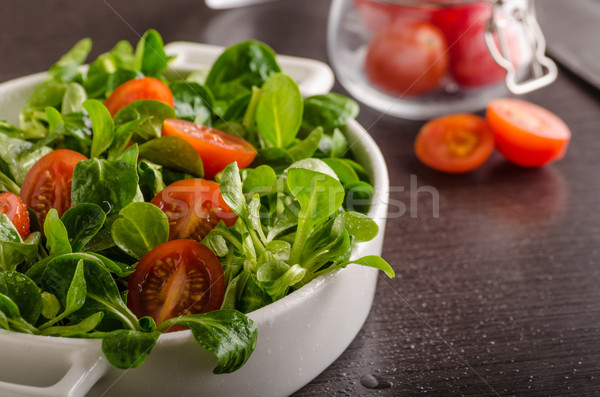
x,y
103,126
19,155
139,228
227,334
279,110
193,102
80,329
111,184
328,110
102,293
67,66
151,115
57,236
175,153
74,98
127,349
150,55
239,68
83,222
24,293
13,250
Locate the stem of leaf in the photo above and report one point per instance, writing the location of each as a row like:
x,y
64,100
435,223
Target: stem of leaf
x,y
229,237
53,321
257,243
23,326
298,246
125,314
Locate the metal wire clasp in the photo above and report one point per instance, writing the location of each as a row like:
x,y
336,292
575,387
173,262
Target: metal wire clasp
x,y
543,69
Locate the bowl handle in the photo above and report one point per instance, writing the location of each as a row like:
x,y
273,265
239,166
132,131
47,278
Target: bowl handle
x,y
49,366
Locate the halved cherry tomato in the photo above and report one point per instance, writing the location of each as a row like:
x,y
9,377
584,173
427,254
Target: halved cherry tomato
x,y
407,59
13,207
138,89
48,183
216,148
526,134
455,144
194,207
179,277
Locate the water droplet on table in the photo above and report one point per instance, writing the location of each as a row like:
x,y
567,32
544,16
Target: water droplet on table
x,y
375,382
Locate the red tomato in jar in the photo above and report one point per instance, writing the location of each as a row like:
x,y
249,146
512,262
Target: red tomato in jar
x,y
455,144
194,207
407,59
16,211
471,63
176,278
527,134
216,148
138,89
48,183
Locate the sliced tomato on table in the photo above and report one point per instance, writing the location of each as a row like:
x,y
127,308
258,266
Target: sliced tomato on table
x,y
48,183
179,277
455,144
138,89
194,207
527,134
16,211
215,147
407,59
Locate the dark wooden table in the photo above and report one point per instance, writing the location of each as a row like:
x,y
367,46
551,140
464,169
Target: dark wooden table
x,y
499,295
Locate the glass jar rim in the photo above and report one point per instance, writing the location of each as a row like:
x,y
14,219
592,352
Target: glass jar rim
x,y
445,3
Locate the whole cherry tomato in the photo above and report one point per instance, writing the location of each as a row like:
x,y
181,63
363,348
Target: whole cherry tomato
x,y
464,27
407,59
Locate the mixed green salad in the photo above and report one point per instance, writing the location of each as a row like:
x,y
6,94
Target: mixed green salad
x,y
137,200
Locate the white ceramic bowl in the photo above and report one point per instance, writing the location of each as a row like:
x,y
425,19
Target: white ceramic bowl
x,y
299,335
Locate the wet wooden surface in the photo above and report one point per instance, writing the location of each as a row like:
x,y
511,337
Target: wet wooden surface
x,y
498,295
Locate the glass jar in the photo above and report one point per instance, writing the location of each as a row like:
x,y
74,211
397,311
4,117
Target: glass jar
x,y
420,59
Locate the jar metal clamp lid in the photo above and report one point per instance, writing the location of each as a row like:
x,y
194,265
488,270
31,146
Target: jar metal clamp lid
x,y
543,69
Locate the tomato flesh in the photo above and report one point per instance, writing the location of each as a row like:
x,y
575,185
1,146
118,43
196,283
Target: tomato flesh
x,y
455,144
48,183
407,59
216,148
16,211
177,278
194,207
138,89
526,134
